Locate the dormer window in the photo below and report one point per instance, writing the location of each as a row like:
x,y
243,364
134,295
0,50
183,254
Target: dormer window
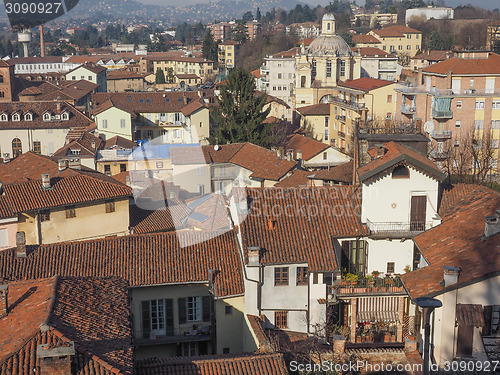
x,y
46,116
65,116
16,117
401,171
28,117
76,152
4,117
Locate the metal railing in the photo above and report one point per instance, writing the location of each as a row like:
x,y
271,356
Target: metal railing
x,y
442,114
347,103
185,334
373,286
408,109
341,134
441,134
397,229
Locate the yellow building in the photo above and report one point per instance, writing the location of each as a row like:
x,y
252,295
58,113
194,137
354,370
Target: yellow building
x,y
227,55
399,39
63,201
173,64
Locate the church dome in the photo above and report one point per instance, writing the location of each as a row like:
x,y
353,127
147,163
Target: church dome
x,y
328,17
326,45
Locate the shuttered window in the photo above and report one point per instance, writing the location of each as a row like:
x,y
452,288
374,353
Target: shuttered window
x,y
157,318
194,309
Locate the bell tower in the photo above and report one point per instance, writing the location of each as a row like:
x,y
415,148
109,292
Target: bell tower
x,y
6,81
328,24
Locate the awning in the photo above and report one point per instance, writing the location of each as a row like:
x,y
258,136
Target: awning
x,y
377,309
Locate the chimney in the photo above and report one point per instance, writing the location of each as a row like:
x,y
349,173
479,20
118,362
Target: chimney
x,y
492,225
380,152
254,256
299,154
451,275
20,245
55,359
4,304
42,44
46,181
63,164
75,163
271,224
58,108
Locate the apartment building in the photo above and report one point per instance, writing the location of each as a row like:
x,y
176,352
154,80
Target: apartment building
x,y
174,64
91,72
373,19
376,63
227,55
398,39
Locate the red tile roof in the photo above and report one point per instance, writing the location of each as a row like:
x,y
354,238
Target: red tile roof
x,y
433,55
322,109
395,31
297,179
23,186
451,195
308,146
119,143
470,315
457,66
361,38
339,173
192,107
94,313
305,42
265,364
91,66
131,258
303,223
263,163
458,242
123,74
395,154
88,144
372,52
287,54
258,328
256,73
365,83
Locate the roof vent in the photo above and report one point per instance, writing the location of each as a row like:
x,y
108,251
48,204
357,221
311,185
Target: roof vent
x,y
492,225
4,292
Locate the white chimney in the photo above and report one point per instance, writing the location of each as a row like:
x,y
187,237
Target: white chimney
x,y
492,225
63,164
299,155
451,275
253,256
20,245
75,163
46,181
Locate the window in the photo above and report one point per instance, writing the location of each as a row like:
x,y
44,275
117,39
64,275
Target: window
x,y
313,70
400,172
281,319
76,152
355,256
471,83
225,350
17,147
389,98
177,133
228,310
28,117
158,318
328,68
122,123
4,117
4,238
302,275
16,117
400,47
201,189
496,104
390,267
46,117
70,212
495,124
408,46
159,164
458,123
327,121
123,168
107,170
325,156
327,134
90,78
45,215
193,309
479,104
478,124
494,143
280,276
1,78
342,68
37,147
149,134
110,206
459,104
199,170
104,124
65,116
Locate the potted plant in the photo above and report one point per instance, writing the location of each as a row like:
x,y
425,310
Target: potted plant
x,y
351,278
375,273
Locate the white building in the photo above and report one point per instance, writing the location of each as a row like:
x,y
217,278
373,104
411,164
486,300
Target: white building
x,y
91,72
378,64
41,65
429,12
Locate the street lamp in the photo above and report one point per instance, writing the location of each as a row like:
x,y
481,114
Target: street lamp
x,y
430,304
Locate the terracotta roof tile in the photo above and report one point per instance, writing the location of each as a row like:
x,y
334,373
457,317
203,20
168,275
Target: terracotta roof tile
x,y
395,31
297,225
451,195
433,55
92,66
123,74
192,107
457,66
159,220
322,109
470,315
396,153
297,179
458,242
308,146
257,325
119,142
88,144
365,83
339,173
362,38
288,53
125,257
92,312
372,52
268,364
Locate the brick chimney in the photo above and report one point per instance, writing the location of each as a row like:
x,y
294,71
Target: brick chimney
x,y
492,225
20,245
451,275
55,359
46,181
254,256
4,291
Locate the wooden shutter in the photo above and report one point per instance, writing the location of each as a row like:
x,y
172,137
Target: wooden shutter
x,y
206,301
146,319
169,316
464,340
417,213
182,310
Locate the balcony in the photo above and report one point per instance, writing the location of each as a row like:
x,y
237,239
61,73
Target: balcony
x,y
366,286
203,333
439,155
408,109
441,134
442,114
341,134
340,118
397,229
347,104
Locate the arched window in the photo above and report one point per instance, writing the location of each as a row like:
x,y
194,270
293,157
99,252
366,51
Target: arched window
x,y
400,172
16,117
328,26
4,117
65,116
17,147
302,81
27,117
1,78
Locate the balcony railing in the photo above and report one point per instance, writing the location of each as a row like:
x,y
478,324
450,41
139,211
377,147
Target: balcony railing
x,y
346,103
341,134
202,333
408,109
439,155
340,118
373,286
442,114
441,134
397,229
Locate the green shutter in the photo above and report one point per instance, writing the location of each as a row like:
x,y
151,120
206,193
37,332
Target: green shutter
x,y
146,319
182,310
169,316
206,301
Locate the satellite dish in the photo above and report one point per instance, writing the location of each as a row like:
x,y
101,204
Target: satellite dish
x,y
216,147
428,126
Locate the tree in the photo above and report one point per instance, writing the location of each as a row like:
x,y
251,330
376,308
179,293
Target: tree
x,y
239,113
170,75
210,48
160,76
247,16
258,15
347,36
436,42
240,33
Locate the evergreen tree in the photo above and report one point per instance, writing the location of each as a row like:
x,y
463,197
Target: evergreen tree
x,y
210,48
160,76
9,48
170,75
240,33
258,15
436,41
239,113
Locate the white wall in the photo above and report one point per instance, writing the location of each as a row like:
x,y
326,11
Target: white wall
x,y
113,116
333,157
382,251
51,139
